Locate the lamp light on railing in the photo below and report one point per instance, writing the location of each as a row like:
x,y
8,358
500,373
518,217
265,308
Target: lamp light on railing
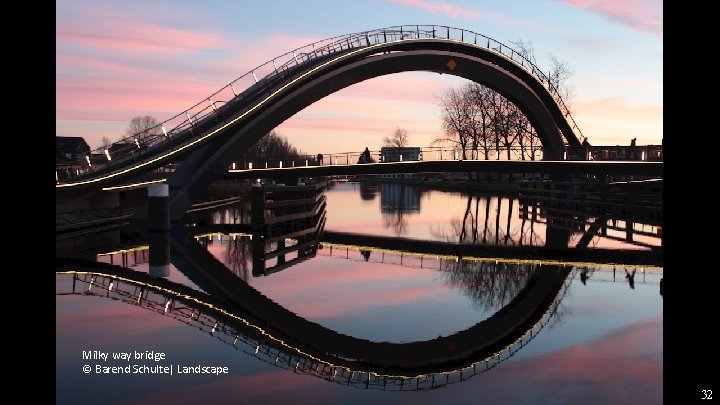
x,y
107,153
164,131
233,90
250,165
565,155
189,119
87,159
137,143
233,166
281,164
212,104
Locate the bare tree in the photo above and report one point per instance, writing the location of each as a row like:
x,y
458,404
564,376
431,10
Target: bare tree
x,y
476,118
271,147
399,138
560,74
143,128
105,142
456,112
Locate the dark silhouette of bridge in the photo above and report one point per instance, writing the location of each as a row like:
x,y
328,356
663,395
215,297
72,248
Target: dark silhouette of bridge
x,y
652,169
203,138
235,327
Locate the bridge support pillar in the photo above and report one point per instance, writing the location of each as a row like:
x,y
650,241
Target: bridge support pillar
x,y
158,230
257,221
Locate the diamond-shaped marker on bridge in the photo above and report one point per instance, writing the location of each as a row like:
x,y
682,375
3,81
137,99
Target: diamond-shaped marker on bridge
x,y
451,64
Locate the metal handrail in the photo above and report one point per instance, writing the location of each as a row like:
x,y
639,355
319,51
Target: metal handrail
x,y
260,78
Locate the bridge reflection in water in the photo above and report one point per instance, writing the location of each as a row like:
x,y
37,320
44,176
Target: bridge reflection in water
x,y
528,290
230,326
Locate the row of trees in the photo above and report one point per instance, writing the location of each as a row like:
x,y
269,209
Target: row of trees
x,y
272,146
477,120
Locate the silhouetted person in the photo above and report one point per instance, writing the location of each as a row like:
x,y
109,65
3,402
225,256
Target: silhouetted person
x,y
365,254
319,159
584,276
661,292
365,156
632,154
631,278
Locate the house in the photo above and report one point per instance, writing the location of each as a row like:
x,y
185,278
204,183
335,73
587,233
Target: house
x,y
70,153
399,154
71,148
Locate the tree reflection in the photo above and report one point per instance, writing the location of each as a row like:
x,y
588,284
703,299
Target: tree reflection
x,y
238,255
483,223
488,285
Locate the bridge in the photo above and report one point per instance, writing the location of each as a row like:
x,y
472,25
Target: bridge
x,y
201,139
653,169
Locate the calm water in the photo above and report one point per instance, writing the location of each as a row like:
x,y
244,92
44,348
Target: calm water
x,y
601,344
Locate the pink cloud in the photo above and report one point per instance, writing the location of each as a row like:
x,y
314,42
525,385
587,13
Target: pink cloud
x,y
449,9
135,37
641,15
455,11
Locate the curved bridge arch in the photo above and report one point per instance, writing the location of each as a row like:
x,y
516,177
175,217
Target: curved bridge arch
x,y
486,338
205,144
339,366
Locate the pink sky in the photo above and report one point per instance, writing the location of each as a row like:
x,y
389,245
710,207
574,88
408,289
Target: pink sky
x,y
114,65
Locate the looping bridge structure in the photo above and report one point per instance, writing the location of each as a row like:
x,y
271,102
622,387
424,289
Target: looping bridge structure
x,y
204,137
324,353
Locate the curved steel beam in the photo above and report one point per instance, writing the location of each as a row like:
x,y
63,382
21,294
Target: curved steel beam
x,y
334,73
211,161
228,325
477,342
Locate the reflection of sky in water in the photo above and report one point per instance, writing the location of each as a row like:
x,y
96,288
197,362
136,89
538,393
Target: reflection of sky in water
x,y
604,345
606,339
394,210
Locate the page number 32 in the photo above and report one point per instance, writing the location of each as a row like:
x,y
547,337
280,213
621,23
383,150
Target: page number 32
x,y
706,394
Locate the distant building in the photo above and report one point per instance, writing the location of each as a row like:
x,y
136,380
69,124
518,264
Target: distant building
x,y
71,148
400,154
70,153
399,198
397,154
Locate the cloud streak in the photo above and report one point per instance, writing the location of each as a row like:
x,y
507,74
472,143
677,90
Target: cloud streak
x,y
462,13
448,9
641,15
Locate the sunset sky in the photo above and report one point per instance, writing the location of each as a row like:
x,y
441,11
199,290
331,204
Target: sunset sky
x,y
116,60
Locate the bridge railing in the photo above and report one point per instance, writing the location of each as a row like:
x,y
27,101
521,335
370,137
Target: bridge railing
x,y
192,124
433,153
